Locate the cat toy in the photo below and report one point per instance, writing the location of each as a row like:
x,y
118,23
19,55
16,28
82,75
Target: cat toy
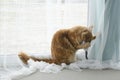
x,y
86,54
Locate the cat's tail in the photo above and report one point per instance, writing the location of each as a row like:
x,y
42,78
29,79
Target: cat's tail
x,y
24,57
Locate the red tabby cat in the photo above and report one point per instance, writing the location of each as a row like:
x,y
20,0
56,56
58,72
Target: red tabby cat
x,y
64,45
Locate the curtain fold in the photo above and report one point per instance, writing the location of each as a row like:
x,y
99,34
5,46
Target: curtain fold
x,y
104,16
96,18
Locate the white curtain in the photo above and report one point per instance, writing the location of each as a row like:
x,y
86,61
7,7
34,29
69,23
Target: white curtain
x,y
104,15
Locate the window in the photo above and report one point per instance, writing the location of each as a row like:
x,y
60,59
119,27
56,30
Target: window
x,y
28,25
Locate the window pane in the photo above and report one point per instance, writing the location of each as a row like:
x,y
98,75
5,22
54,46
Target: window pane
x,y
22,26
65,15
29,25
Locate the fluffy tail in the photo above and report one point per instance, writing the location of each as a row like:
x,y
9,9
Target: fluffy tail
x,y
24,57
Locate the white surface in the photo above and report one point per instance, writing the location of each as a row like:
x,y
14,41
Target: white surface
x,y
73,75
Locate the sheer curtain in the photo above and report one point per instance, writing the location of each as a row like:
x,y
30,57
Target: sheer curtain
x,y
104,15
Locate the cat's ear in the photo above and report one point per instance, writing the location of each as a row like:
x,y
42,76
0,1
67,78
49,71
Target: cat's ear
x,y
90,28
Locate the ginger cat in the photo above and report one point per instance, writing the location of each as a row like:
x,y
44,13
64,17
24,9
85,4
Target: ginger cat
x,y
64,45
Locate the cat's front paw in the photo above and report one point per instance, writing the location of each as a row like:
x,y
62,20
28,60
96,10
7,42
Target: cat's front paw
x,y
86,45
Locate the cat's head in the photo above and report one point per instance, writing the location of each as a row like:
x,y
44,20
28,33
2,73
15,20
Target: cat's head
x,y
82,34
87,36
